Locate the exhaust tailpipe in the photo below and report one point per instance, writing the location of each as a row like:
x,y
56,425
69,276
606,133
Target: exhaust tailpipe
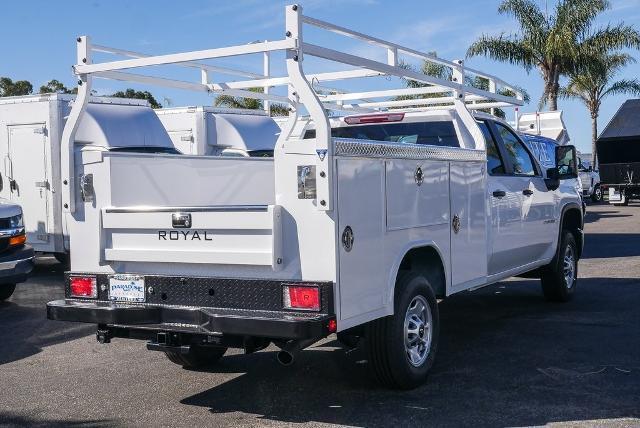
x,y
289,351
285,358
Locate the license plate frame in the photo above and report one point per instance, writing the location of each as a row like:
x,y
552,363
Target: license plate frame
x,y
127,288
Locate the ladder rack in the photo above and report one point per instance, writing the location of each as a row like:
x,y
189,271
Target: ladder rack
x,y
304,89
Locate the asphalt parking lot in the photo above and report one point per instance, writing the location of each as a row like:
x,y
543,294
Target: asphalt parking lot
x,y
506,358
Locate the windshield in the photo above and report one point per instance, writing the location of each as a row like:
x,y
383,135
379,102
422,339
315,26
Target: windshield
x,y
147,149
440,133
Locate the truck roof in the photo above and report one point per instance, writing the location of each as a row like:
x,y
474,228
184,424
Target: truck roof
x,y
119,126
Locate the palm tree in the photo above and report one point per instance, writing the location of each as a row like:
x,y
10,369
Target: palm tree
x,y
446,73
552,43
249,103
594,83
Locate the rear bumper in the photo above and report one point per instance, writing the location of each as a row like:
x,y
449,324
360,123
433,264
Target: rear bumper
x,y
203,321
16,265
201,306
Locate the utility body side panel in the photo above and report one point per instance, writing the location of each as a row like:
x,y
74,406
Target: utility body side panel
x,y
389,214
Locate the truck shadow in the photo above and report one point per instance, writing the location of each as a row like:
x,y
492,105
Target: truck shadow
x,y
606,245
595,216
506,357
25,327
16,420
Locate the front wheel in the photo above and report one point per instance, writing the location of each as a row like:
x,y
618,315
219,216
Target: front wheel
x,y
596,196
197,357
6,290
402,347
560,277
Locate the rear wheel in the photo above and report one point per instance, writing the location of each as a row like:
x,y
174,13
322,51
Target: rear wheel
x,y
596,196
402,347
6,290
197,357
561,276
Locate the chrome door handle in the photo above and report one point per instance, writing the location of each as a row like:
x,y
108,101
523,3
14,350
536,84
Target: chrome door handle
x,y
499,194
527,192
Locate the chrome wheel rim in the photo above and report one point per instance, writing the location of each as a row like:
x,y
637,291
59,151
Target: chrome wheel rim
x,y
417,329
598,193
569,266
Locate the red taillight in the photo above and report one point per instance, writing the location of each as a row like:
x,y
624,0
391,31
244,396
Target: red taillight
x,y
301,297
83,286
332,326
374,118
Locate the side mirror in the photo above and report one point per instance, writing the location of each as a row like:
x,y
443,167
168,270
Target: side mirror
x,y
553,179
566,162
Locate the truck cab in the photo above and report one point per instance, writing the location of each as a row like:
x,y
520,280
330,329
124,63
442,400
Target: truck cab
x,y
371,209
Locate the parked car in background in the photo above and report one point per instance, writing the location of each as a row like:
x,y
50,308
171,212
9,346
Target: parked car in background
x,y
16,257
590,180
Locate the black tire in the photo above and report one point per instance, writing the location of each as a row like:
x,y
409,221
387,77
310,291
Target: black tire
x,y
555,285
197,357
6,290
348,340
385,337
596,196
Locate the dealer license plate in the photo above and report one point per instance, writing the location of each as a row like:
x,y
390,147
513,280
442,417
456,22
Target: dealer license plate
x,y
126,288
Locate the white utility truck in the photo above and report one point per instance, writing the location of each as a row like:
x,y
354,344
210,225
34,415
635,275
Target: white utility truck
x,y
355,226
213,131
30,134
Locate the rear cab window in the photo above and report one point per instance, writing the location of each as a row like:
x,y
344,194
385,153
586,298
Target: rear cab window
x,y
435,133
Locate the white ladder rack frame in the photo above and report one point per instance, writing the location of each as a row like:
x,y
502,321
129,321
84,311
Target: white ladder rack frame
x,y
301,87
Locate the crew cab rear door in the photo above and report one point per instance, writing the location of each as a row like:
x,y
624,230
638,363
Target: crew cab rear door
x,y
532,238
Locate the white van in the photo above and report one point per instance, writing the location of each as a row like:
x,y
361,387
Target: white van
x,y
30,133
216,131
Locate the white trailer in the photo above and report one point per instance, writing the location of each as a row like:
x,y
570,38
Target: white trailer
x,y
216,131
30,134
356,225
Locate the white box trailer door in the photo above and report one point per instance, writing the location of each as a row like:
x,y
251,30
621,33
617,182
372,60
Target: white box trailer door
x,y
25,178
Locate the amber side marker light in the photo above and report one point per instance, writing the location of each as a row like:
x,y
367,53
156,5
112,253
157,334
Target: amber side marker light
x,y
17,240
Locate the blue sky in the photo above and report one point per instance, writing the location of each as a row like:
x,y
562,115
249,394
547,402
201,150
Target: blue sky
x,y
38,38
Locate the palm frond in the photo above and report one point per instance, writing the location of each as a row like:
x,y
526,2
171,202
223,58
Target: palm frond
x,y
624,87
532,21
620,36
504,48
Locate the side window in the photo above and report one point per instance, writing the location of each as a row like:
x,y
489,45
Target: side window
x,y
494,160
518,155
